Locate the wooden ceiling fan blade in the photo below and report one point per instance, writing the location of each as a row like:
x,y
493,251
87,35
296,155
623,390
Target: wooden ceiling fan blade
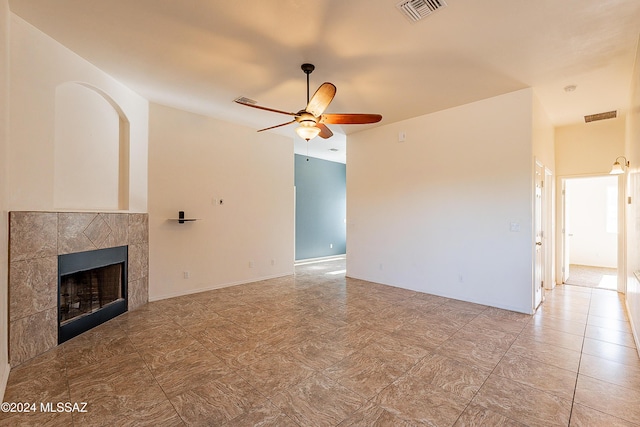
x,y
277,126
350,119
325,132
321,99
239,101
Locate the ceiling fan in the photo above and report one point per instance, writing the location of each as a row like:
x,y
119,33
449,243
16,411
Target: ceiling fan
x,y
312,119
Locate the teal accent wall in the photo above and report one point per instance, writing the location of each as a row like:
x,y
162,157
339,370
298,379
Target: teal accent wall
x,y
321,207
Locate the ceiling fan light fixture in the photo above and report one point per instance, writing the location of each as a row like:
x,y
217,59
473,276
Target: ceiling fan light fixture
x,y
307,132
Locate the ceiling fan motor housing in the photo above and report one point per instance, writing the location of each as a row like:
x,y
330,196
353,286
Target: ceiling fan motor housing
x,y
306,119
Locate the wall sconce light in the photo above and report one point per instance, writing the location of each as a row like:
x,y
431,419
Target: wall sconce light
x,y
617,168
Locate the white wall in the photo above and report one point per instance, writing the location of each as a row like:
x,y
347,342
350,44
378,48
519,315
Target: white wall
x,y
38,67
632,244
591,243
543,134
4,140
589,148
196,160
435,213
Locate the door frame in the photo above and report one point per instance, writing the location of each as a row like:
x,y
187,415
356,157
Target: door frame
x,y
561,214
539,234
546,223
550,229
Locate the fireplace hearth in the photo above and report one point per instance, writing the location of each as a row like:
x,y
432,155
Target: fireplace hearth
x,y
92,288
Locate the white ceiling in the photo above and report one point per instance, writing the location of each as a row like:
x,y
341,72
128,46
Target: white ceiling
x,y
199,55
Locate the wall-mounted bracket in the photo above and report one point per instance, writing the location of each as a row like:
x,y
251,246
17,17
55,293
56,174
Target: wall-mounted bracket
x,y
181,219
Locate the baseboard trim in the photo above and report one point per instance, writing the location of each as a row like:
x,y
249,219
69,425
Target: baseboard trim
x,y
5,368
457,297
218,286
633,328
320,259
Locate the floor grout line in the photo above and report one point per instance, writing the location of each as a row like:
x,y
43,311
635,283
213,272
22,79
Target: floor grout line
x,y
575,387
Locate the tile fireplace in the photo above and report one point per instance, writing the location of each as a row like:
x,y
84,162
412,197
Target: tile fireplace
x,y
36,241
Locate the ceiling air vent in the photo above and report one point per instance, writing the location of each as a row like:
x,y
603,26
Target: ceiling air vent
x,y
601,116
415,10
245,100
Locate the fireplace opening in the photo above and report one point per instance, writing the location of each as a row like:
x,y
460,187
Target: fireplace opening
x,y
92,288
85,292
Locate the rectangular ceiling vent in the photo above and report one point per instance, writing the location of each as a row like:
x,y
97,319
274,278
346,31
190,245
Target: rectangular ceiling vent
x,y
601,116
245,100
415,10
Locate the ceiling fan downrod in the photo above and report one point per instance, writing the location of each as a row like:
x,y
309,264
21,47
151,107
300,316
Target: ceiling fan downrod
x,y
308,69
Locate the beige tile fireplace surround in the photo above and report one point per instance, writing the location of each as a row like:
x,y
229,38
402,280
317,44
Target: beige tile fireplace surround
x,y
35,241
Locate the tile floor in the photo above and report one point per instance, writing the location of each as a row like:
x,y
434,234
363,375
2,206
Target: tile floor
x,y
593,277
316,349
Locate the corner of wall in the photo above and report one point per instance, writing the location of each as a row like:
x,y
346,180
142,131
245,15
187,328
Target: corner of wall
x,y
4,251
248,237
4,377
543,135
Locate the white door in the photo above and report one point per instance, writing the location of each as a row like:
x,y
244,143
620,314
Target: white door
x,y
538,274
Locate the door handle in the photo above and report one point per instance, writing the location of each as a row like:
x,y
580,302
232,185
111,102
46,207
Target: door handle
x,y
539,243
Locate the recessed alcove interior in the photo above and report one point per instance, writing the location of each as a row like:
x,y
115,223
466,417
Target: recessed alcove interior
x,y
91,161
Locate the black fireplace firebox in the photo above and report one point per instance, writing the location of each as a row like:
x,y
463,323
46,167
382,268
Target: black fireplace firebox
x,y
92,288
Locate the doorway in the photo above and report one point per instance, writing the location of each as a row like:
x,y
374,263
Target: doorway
x,y
590,231
320,208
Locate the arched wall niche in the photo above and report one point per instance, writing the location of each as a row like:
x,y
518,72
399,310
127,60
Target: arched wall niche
x,y
91,169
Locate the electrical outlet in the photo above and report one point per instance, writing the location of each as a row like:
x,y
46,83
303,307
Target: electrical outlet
x,y
251,264
185,274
